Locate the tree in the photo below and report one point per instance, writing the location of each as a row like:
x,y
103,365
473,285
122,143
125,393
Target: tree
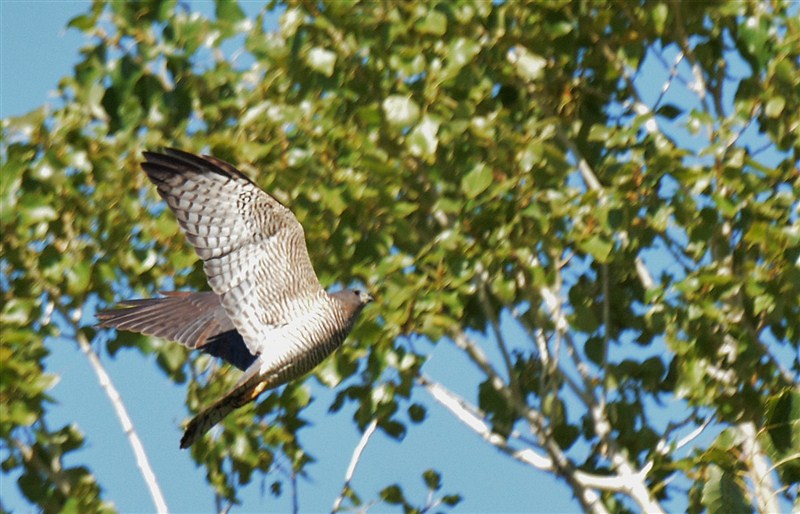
x,y
616,182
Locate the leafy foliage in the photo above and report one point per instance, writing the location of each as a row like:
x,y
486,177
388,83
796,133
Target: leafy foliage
x,y
478,165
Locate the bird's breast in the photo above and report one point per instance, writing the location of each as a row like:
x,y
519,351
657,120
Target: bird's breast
x,y
293,350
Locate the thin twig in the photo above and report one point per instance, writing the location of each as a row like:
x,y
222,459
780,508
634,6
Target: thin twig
x,y
606,327
550,361
354,460
694,434
295,502
475,353
682,39
127,425
494,320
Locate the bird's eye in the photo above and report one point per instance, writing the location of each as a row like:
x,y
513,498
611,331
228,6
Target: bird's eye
x,y
357,292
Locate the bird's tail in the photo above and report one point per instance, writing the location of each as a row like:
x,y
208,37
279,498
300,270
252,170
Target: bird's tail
x,y
245,392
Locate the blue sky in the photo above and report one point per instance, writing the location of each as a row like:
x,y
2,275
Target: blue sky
x,y
36,51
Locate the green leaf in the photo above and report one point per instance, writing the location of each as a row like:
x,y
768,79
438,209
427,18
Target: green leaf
x,y
433,480
400,110
722,493
434,23
594,347
477,180
783,422
528,65
669,111
321,60
423,140
565,435
598,246
229,11
83,22
451,499
393,494
417,412
461,52
659,15
774,107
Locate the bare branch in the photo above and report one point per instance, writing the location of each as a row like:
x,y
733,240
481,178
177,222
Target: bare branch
x,y
477,356
295,502
699,86
351,468
590,178
606,326
757,469
550,359
494,321
127,425
634,481
474,419
694,434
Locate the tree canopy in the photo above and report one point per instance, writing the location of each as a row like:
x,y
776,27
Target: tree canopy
x,y
596,203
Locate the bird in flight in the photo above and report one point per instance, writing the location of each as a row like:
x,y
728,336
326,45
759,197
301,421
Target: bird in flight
x,y
267,314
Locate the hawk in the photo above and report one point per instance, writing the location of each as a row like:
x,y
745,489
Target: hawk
x,y
267,313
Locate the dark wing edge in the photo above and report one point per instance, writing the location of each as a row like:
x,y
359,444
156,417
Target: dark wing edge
x,y
178,159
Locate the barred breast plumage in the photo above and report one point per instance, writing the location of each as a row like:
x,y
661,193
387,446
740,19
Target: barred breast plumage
x,y
267,313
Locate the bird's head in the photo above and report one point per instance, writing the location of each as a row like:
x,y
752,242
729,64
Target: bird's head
x,y
363,296
355,298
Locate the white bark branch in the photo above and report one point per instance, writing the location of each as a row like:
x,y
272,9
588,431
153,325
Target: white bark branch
x,y
474,419
354,460
758,470
592,182
127,425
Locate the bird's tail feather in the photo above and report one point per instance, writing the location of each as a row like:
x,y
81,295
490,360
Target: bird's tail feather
x,y
238,396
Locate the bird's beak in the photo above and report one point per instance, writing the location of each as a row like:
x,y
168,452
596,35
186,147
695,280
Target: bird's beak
x,y
367,298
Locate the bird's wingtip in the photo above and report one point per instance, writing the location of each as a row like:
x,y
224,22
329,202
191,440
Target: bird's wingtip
x,y
188,438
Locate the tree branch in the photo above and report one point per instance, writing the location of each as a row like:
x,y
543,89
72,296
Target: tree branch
x,y
634,480
127,425
478,357
757,469
494,320
474,419
606,327
354,460
592,182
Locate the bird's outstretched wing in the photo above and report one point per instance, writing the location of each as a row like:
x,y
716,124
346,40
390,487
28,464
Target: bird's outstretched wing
x,y
196,320
253,248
